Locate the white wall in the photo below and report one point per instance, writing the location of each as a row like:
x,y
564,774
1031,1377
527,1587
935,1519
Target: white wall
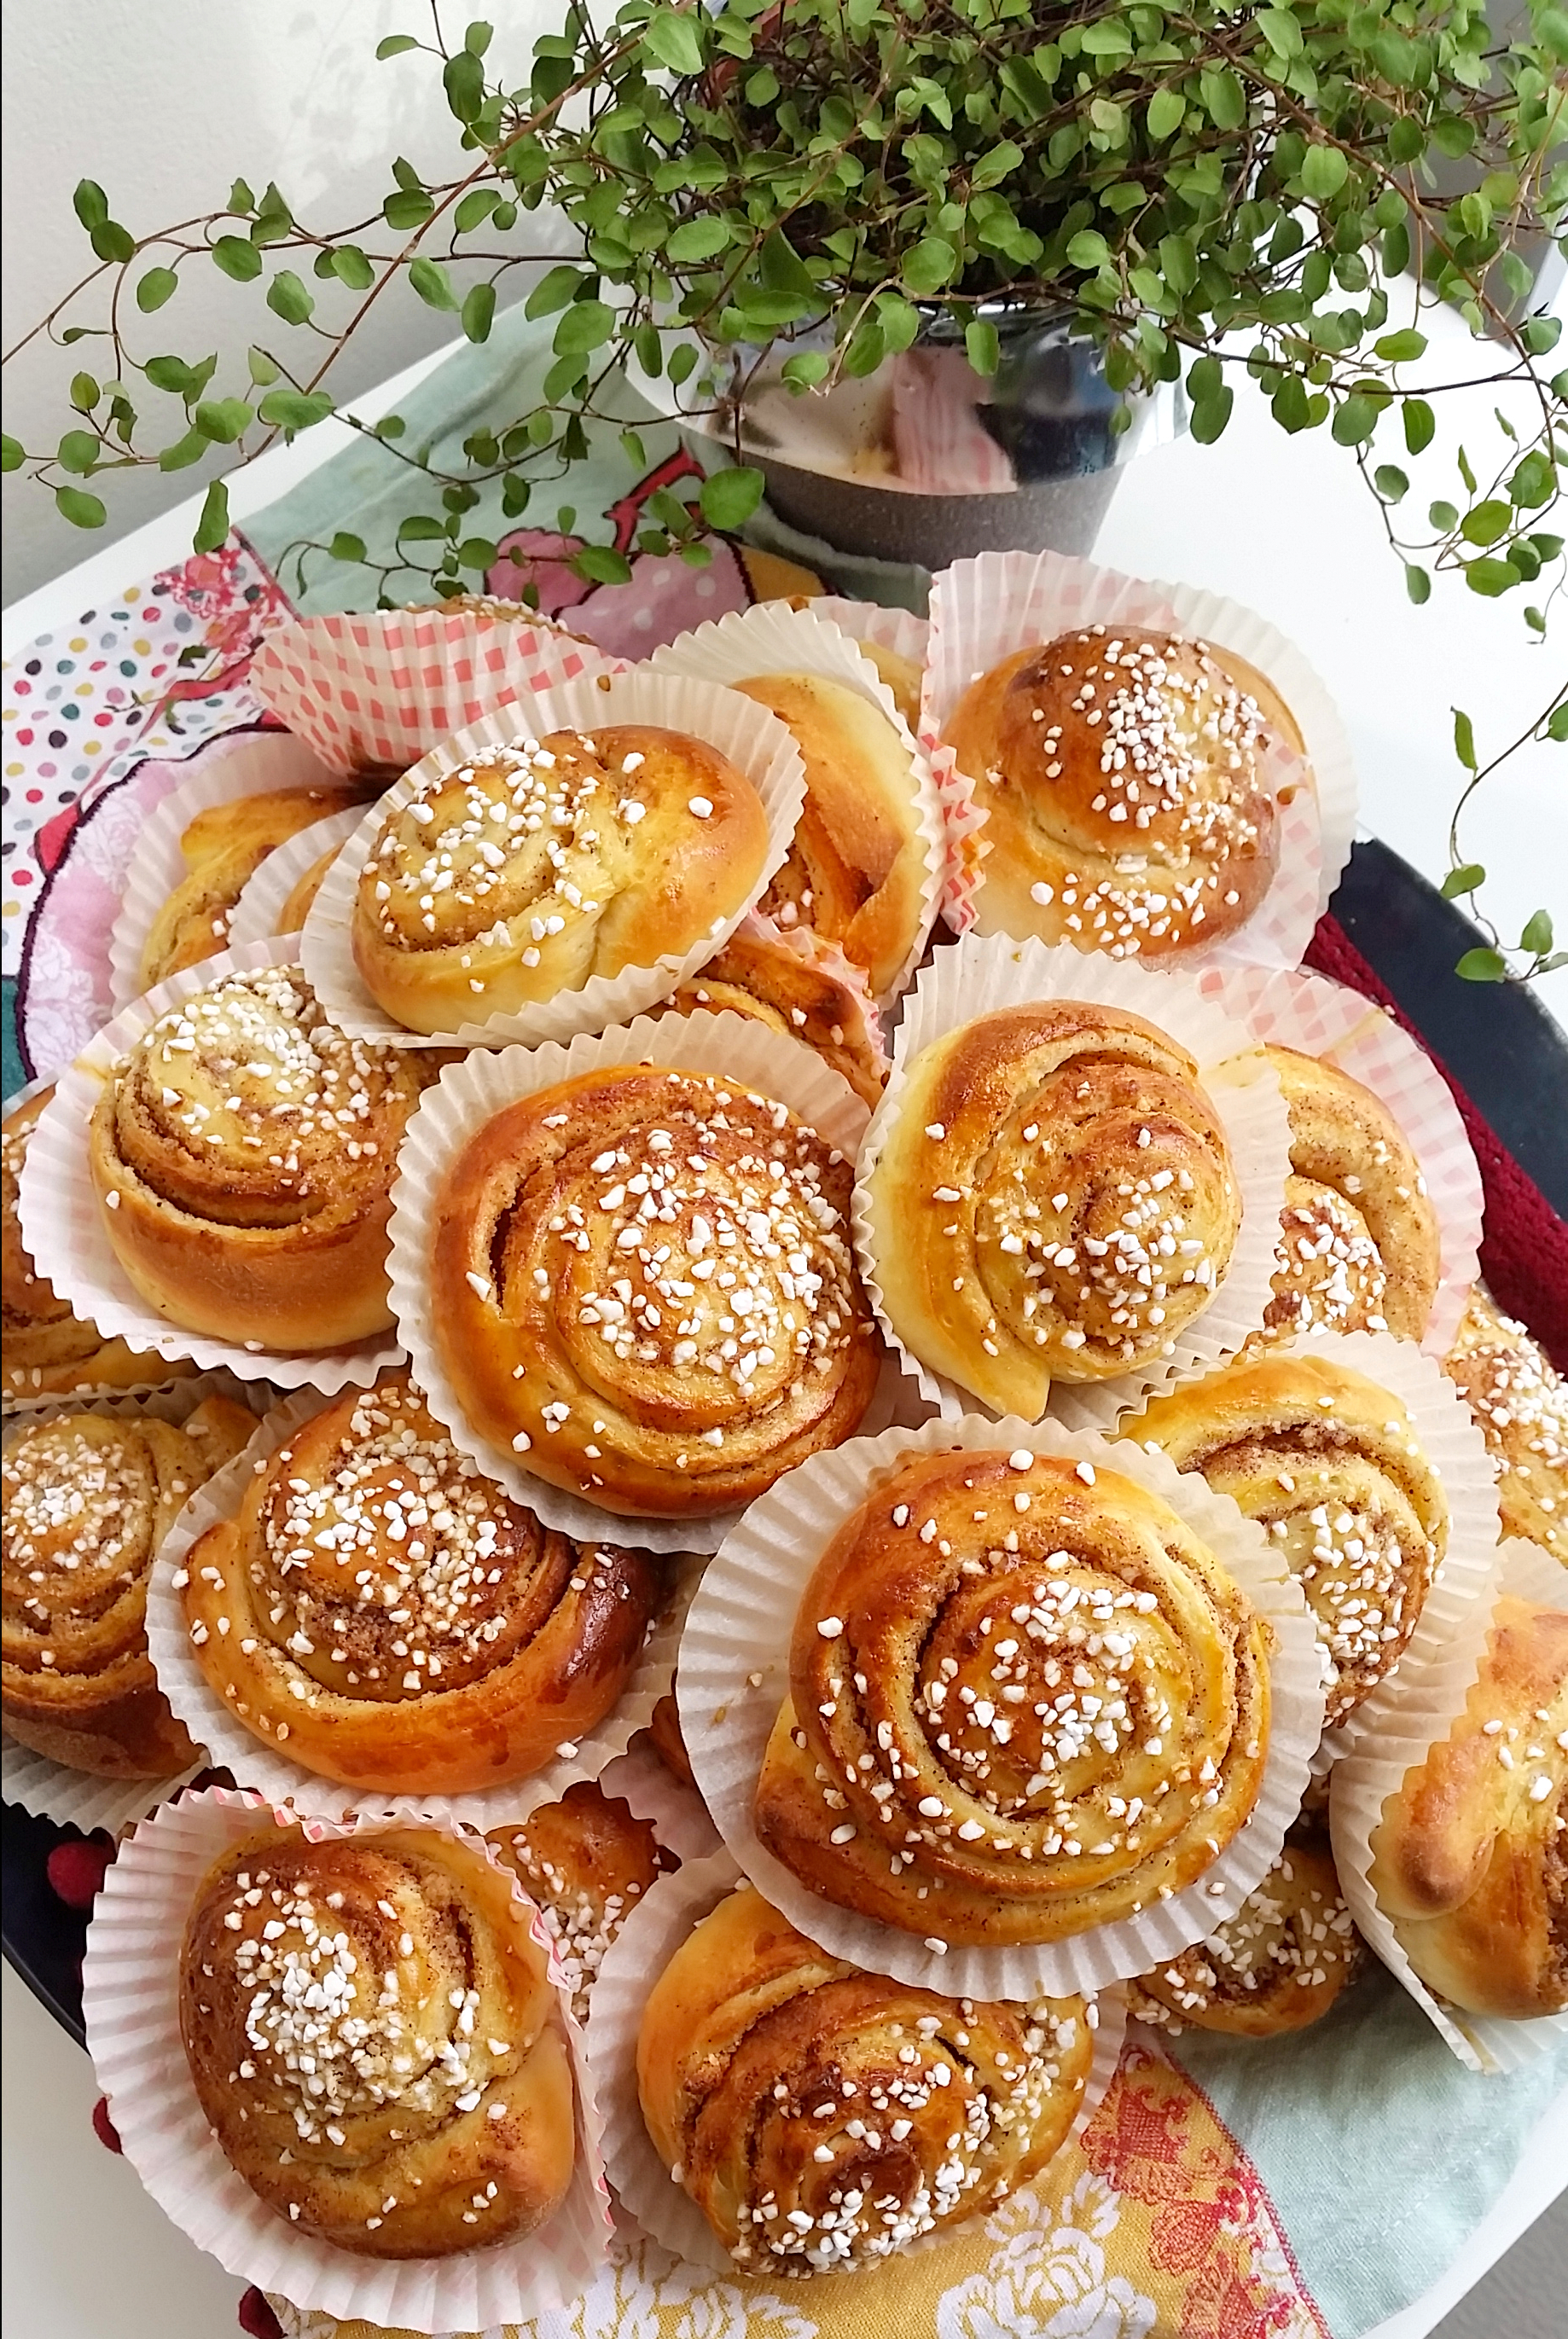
x,y
164,106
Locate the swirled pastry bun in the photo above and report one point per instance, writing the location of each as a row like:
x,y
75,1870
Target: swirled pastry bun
x,y
1277,1965
376,2043
243,1155
223,847
855,872
644,1285
1359,1247
1470,1859
823,2119
536,866
773,983
1520,1404
1025,1700
48,1350
388,1617
1330,1465
87,1499
1056,1199
586,1862
1123,776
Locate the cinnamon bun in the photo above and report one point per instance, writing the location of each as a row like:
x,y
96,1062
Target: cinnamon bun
x,y
223,847
1277,1965
778,985
1520,1405
586,1862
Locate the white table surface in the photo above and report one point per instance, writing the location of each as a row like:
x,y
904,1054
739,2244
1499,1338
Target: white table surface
x,y
1282,525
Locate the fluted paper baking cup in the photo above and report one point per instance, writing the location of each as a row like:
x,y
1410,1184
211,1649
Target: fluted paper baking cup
x,y
258,911
755,741
899,630
651,1792
471,1094
733,1676
62,1224
254,1763
386,685
1323,1018
240,764
1447,1435
53,1790
129,1997
771,638
655,1929
1407,1716
984,609
981,975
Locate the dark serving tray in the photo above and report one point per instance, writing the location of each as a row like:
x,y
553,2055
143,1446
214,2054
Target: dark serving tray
x,y
1497,1041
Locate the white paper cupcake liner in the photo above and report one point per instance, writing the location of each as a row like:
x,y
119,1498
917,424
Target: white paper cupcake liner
x,y
655,1929
260,908
770,638
984,609
733,1676
1447,1433
53,1790
652,1792
982,973
1409,1715
386,685
471,1094
63,1225
899,630
1296,1010
755,741
130,1995
256,1764
241,763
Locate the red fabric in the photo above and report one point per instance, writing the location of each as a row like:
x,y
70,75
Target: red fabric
x,y
104,2128
76,1870
257,2318
1525,1243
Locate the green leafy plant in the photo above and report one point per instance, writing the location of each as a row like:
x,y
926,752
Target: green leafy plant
x,y
1281,191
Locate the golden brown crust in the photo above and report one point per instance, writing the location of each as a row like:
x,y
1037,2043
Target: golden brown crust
x,y
1277,1965
1359,1245
49,1351
773,983
1055,1199
581,1257
243,1155
542,865
223,847
1123,776
388,1617
586,1860
1470,1857
668,1744
823,2119
88,1498
855,872
902,676
420,2100
1520,1403
937,1799
1330,1465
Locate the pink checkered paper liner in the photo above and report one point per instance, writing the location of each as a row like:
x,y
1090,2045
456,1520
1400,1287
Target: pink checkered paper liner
x,y
62,1224
1305,1011
985,609
1407,1714
661,1922
387,685
129,1997
241,763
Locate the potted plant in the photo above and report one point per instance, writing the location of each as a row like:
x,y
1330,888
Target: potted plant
x,y
778,199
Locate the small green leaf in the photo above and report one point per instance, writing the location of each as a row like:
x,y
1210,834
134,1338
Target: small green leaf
x,y
675,42
430,282
1482,966
697,239
585,327
474,208
1484,524
463,79
1491,578
478,311
213,527
983,345
1390,482
1462,880
553,292
84,392
237,258
295,410
805,371
12,456
395,45
79,508
1417,583
242,202
158,285
1210,416
635,453
1541,334
1281,32
1323,170
729,498
262,367
1537,936
223,420
345,547
111,241
1088,249
1465,739
288,298
1420,424
1355,420
90,205
419,528
477,37
601,564
1397,349
478,552
1442,516
78,451
351,267
930,265
409,207
999,164
184,451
